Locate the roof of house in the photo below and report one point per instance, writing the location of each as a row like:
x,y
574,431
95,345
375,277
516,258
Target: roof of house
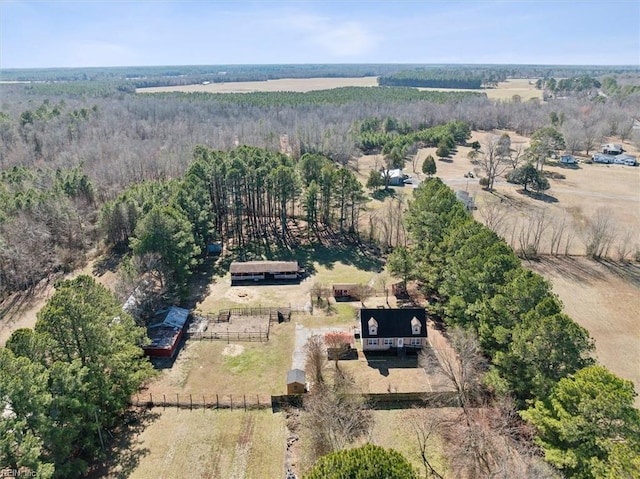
x,y
612,146
162,338
295,376
263,267
174,319
395,173
393,323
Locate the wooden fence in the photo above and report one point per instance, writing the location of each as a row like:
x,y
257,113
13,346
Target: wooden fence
x,y
256,401
255,336
383,400
211,401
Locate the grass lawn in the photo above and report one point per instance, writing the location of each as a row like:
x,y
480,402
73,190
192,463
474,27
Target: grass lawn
x,y
212,444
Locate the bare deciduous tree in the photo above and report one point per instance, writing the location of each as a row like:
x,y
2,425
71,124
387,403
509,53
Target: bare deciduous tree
x,y
494,158
626,244
599,234
531,233
335,416
426,425
494,214
315,360
338,343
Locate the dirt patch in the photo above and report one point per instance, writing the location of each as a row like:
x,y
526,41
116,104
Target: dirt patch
x,y
233,350
241,295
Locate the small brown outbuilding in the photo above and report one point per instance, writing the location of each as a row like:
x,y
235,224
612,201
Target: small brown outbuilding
x,y
295,381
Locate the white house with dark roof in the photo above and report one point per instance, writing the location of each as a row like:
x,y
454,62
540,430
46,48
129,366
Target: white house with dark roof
x,y
386,329
612,149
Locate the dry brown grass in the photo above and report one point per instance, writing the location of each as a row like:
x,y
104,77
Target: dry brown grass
x,y
285,84
604,298
525,88
212,444
505,91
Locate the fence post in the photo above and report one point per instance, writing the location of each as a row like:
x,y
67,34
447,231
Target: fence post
x,y
217,403
151,399
258,398
190,402
177,400
164,401
244,397
204,403
231,398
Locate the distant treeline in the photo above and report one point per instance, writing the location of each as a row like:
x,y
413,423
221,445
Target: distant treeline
x,y
336,96
438,79
149,76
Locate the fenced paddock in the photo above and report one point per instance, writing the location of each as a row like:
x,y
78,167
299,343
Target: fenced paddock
x,y
238,324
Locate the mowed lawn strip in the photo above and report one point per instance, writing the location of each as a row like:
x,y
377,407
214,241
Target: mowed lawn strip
x,y
183,443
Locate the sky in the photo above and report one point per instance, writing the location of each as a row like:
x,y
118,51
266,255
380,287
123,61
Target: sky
x,y
91,33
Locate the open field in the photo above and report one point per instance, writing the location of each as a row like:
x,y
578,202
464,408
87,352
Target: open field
x,y
525,88
286,84
211,444
579,193
505,91
604,298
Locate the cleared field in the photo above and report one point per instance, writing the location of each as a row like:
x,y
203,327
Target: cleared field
x,y
604,298
211,444
579,193
505,91
525,88
286,84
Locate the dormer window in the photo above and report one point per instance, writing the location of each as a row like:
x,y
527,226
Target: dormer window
x,y
373,326
415,326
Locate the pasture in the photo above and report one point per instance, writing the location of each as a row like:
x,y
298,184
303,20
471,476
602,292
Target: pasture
x,y
211,444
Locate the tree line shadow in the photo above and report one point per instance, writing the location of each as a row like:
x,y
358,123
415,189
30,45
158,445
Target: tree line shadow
x,y
124,450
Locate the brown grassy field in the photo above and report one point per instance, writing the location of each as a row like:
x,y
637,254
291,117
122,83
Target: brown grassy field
x,y
604,298
505,91
211,444
285,84
525,88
